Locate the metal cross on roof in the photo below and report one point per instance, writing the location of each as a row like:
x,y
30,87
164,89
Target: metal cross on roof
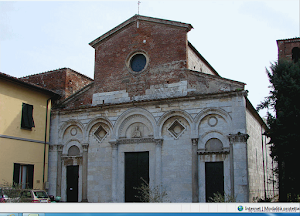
x,y
139,7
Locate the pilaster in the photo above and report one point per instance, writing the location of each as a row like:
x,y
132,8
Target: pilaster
x,y
59,170
114,175
195,186
158,163
84,171
239,166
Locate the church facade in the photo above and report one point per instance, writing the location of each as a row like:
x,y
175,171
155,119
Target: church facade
x,y
156,112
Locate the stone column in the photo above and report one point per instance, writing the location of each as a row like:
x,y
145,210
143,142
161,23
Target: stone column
x,y
158,165
84,171
195,187
59,170
231,167
239,166
114,175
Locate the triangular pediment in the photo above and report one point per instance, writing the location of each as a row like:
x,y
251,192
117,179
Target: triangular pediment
x,y
137,18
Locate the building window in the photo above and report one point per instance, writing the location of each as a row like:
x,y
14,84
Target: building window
x,y
138,62
295,54
23,175
27,121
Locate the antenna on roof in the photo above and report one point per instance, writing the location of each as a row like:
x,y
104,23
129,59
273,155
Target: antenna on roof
x,y
139,7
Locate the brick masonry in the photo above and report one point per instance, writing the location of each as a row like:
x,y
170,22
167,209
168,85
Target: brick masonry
x,y
64,81
286,46
165,47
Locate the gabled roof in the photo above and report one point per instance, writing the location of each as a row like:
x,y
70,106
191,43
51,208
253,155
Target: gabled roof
x,y
57,70
135,18
27,84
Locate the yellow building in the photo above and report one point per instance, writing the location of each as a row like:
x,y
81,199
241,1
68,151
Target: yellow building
x,y
24,132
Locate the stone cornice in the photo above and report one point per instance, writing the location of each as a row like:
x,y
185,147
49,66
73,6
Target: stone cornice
x,y
136,140
65,157
212,152
225,150
192,96
115,143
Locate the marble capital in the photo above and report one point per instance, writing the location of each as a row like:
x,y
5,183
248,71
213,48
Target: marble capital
x,y
239,137
85,146
195,141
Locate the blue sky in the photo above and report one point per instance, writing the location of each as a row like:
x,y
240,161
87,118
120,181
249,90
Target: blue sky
x,y
238,37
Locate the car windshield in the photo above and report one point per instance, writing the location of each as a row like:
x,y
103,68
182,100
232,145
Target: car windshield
x,y
40,194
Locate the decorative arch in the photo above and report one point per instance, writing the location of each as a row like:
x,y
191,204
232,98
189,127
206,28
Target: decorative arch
x,y
212,111
69,144
213,145
93,122
68,124
174,113
213,135
73,151
122,122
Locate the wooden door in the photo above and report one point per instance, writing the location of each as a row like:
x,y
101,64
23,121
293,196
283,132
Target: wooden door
x,y
72,183
136,167
214,179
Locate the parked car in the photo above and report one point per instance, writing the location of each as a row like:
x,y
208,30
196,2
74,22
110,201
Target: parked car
x,y
35,196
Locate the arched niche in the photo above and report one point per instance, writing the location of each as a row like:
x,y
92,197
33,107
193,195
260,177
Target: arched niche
x,y
131,116
135,126
138,130
213,140
214,145
72,143
74,151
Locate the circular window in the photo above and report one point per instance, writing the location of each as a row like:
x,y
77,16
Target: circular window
x,y
138,62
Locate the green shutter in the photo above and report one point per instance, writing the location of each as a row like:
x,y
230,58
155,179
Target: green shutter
x,y
27,116
16,174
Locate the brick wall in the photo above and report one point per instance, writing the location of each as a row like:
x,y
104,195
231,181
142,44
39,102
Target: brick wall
x,y
64,81
286,46
165,47
75,82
